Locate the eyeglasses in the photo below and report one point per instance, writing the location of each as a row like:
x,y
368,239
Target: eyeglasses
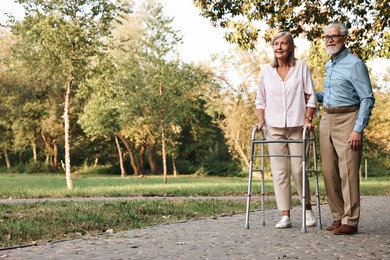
x,y
333,37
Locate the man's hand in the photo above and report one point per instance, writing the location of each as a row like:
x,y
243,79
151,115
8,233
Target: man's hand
x,y
355,140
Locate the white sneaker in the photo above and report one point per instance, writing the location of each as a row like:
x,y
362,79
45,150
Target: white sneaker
x,y
310,218
285,222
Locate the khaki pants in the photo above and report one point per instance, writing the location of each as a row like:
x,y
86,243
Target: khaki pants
x,y
340,165
281,168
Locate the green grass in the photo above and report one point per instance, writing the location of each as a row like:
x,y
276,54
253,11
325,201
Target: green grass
x,y
54,186
26,223
88,185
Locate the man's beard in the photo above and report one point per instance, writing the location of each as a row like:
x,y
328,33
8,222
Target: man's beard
x,y
334,50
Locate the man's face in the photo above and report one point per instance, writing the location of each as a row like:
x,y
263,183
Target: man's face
x,y
334,41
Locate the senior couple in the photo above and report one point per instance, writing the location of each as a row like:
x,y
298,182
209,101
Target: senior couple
x,y
286,101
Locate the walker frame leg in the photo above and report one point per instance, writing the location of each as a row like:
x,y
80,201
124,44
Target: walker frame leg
x,y
308,143
318,200
304,176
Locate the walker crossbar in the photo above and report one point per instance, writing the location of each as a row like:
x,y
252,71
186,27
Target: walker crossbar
x,y
308,141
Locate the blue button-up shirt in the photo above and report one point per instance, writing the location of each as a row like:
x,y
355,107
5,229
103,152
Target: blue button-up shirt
x,y
347,83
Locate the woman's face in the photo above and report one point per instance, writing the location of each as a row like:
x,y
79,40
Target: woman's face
x,y
282,48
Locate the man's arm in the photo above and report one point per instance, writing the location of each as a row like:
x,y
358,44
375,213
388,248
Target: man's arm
x,y
362,85
320,96
361,82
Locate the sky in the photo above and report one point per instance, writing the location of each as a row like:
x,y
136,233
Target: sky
x,y
200,38
9,6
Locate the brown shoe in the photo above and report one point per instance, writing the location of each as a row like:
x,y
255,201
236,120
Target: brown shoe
x,y
336,224
345,230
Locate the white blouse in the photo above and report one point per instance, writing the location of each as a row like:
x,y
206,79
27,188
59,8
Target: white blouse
x,y
284,100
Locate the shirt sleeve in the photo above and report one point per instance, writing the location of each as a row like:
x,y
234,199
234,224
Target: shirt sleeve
x,y
309,88
361,82
320,96
260,95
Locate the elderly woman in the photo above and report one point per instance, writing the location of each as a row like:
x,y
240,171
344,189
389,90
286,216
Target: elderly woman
x,y
284,111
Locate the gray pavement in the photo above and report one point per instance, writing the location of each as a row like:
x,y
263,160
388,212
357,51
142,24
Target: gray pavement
x,y
226,238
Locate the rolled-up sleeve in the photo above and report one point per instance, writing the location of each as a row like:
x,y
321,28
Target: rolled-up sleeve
x,y
260,102
309,88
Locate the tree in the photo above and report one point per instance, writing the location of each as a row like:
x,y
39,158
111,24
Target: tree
x,y
145,62
7,116
101,114
100,119
7,96
64,36
378,130
159,43
143,69
368,20
238,75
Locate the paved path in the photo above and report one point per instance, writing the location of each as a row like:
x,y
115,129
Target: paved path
x,y
226,238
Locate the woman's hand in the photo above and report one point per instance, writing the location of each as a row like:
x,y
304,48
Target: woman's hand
x,y
309,125
259,125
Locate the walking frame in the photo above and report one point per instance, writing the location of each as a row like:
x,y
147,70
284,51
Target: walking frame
x,y
308,142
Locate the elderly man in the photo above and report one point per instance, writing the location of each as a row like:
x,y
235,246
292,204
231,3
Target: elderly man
x,y
347,100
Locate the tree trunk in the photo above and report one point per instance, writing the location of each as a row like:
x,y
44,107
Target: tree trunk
x,y
55,156
129,149
48,149
69,183
7,161
20,157
152,158
47,160
118,147
162,125
141,159
241,152
95,163
68,175
174,167
34,150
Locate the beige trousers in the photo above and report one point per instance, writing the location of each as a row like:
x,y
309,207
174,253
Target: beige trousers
x,y
340,165
283,168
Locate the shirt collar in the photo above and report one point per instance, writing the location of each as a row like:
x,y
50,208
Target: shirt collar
x,y
340,56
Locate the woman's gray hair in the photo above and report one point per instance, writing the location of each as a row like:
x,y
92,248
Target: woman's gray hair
x,y
291,56
343,29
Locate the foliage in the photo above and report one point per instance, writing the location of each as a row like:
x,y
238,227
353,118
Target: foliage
x,y
132,78
377,136
66,37
368,20
237,75
119,66
378,130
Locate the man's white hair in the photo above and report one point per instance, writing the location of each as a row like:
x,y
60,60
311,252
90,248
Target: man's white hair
x,y
343,29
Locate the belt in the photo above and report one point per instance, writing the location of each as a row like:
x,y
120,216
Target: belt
x,y
334,110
